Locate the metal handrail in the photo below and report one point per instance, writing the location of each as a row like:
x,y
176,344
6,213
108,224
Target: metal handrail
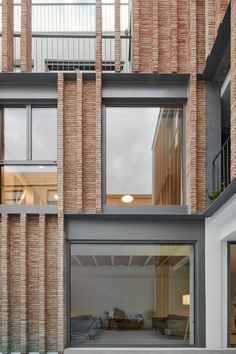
x,y
221,166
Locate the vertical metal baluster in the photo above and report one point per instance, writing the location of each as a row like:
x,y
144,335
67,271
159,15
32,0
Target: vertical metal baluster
x,y
223,163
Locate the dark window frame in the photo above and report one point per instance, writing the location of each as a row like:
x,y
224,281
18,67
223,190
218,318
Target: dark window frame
x,y
136,103
28,161
111,242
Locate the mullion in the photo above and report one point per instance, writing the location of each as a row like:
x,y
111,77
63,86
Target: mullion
x,y
29,133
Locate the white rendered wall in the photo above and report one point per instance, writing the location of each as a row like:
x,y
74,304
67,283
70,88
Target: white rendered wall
x,y
219,229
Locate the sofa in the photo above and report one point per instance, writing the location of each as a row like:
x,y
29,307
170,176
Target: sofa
x,y
173,325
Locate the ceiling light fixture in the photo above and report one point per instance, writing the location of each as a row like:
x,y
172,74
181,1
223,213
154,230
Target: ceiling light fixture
x,y
127,198
56,196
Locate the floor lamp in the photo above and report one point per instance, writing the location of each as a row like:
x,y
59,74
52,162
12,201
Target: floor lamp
x,y
186,302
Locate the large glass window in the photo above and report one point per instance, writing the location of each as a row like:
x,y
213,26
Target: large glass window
x,y
232,294
132,295
44,136
14,134
144,155
29,155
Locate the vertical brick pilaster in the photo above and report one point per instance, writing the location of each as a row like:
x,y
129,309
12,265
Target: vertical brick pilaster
x,y
7,36
220,8
191,123
79,142
42,285
5,285
135,35
23,286
60,285
60,147
173,36
233,90
209,25
98,35
61,245
26,36
98,134
201,147
155,35
117,36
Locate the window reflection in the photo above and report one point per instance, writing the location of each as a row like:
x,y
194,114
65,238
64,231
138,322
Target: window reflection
x,y
44,134
29,185
132,294
144,155
14,134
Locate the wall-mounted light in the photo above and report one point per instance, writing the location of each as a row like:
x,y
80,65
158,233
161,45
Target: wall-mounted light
x,y
41,166
186,299
56,197
127,198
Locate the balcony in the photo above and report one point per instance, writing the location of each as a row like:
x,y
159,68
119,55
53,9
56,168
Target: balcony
x,y
221,169
64,36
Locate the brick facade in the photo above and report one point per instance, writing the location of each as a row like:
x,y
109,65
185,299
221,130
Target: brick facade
x,y
7,35
29,271
168,36
26,35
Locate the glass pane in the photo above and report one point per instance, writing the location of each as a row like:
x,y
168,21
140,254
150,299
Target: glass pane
x,y
29,184
14,134
132,295
44,134
144,155
232,295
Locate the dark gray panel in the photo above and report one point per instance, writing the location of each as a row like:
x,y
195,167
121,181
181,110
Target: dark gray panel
x,y
135,230
138,230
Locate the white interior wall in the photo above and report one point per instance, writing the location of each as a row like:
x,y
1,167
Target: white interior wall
x,y
219,229
97,289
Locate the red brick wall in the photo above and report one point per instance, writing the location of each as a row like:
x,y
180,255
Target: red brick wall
x,y
26,34
7,35
29,284
82,145
220,8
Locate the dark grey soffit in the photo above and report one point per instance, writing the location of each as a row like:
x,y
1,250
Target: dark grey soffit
x,y
28,209
152,78
28,79
51,78
220,46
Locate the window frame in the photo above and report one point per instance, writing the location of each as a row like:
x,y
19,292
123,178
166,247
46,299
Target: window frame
x,y
144,209
111,242
28,161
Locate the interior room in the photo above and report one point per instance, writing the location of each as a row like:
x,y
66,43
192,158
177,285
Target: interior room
x,y
132,294
144,152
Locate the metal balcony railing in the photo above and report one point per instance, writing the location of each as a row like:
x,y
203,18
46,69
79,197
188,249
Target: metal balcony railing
x,y
64,36
221,167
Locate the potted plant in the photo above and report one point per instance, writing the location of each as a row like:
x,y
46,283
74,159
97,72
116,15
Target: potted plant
x,y
214,194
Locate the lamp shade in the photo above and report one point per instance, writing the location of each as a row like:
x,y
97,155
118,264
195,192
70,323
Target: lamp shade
x,y
186,299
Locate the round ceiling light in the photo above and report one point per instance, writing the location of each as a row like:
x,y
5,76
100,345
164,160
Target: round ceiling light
x,y
127,198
